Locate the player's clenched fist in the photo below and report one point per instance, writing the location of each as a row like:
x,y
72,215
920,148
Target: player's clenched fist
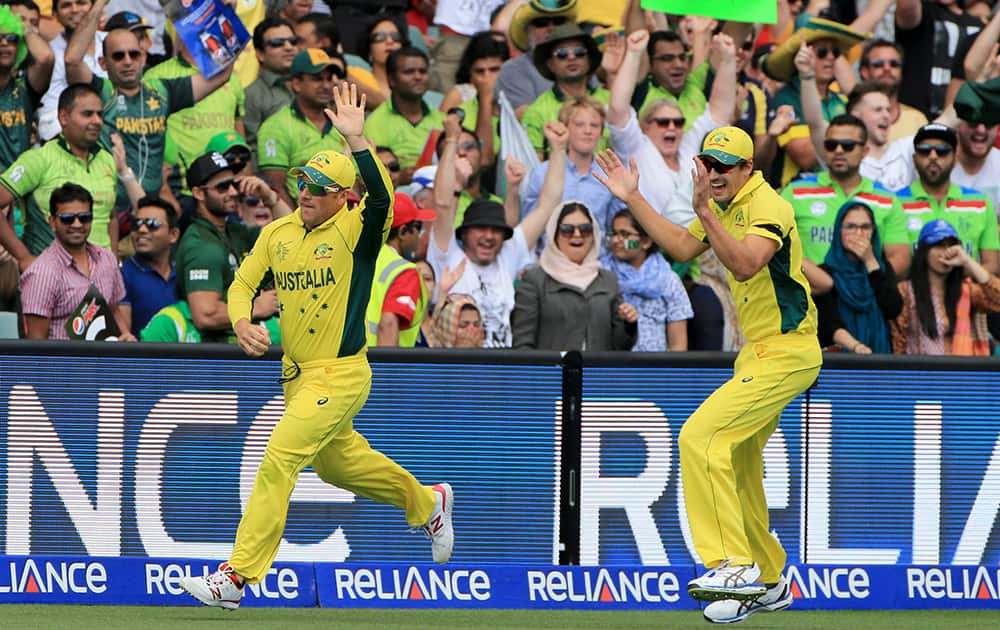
x,y
253,339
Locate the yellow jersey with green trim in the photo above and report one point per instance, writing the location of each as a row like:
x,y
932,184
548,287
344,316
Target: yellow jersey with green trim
x,y
324,275
776,299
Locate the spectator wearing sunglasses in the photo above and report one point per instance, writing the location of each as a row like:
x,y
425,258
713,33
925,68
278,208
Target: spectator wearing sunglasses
x,y
882,62
150,282
275,45
674,75
391,164
405,121
569,58
656,138
23,81
530,25
57,282
218,112
935,196
134,107
384,38
568,302
212,247
817,198
74,156
297,132
68,14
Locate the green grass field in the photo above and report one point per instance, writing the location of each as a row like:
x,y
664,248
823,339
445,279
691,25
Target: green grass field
x,y
150,618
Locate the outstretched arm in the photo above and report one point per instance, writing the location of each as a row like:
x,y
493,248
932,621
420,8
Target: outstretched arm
x,y
812,107
623,86
445,185
624,184
76,70
549,199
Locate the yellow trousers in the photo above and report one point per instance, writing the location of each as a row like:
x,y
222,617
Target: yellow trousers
x,y
317,429
722,446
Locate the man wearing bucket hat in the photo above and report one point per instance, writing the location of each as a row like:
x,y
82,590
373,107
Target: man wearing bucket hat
x,y
20,92
531,25
569,58
484,254
752,231
322,257
935,196
828,41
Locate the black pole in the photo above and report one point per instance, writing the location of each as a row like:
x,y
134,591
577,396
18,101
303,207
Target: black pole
x,y
569,473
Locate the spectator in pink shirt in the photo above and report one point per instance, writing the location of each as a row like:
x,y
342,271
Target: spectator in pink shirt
x,y
57,282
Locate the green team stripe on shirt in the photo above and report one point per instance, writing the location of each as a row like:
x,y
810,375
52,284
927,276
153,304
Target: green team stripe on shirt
x,y
793,302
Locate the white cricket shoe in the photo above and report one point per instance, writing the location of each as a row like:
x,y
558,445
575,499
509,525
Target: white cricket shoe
x,y
218,589
438,527
778,597
728,581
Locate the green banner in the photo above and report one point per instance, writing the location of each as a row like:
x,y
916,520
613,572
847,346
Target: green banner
x,y
764,11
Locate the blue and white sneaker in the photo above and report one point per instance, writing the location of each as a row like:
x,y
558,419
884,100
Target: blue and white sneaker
x,y
778,597
728,581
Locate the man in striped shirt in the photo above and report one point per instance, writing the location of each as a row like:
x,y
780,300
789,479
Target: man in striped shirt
x,y
64,273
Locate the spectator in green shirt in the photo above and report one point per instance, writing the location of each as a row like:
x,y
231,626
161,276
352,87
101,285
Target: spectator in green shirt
x,y
275,44
297,132
405,121
212,247
175,324
569,58
674,76
134,107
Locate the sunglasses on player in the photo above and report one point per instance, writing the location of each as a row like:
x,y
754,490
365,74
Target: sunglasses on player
x,y
719,167
317,190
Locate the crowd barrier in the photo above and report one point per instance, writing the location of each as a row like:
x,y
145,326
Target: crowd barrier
x,y
124,466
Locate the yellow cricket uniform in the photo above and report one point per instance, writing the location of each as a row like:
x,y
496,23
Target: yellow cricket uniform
x,y
722,443
323,277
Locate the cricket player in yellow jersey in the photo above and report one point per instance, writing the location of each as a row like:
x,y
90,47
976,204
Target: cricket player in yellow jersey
x,y
752,231
322,256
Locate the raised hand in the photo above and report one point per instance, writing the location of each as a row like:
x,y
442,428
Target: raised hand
x,y
724,47
514,171
556,134
348,114
619,180
783,119
118,153
628,312
702,186
637,41
614,53
449,278
257,187
463,171
805,60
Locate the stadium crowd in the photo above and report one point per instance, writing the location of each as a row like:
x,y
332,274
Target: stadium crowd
x,y
134,186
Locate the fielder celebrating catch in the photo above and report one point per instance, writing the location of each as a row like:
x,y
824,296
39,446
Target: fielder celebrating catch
x,y
752,230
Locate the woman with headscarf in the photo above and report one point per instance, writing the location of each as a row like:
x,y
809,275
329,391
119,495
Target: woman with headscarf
x,y
568,302
856,312
458,323
648,282
714,325
945,299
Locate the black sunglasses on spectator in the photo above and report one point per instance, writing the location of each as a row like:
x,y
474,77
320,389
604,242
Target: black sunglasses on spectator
x,y
378,38
666,121
69,218
278,42
150,222
10,38
543,22
823,51
337,71
925,149
881,63
225,185
393,167
831,145
119,55
577,52
251,201
568,229
747,46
